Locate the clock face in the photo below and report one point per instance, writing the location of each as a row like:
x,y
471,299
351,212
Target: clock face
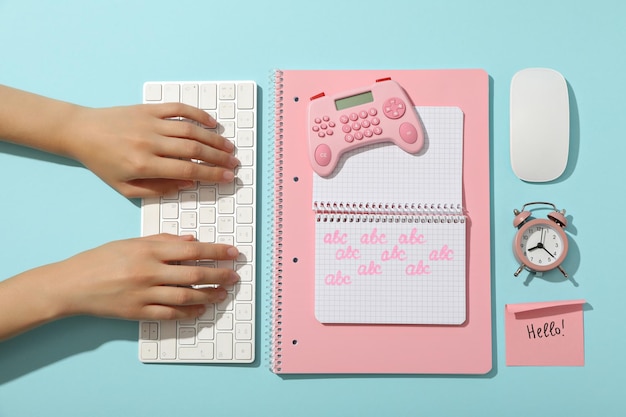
x,y
541,245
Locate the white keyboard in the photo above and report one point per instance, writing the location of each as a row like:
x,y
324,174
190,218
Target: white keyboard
x,y
224,213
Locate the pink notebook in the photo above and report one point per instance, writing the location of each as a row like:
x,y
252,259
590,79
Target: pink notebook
x,y
376,266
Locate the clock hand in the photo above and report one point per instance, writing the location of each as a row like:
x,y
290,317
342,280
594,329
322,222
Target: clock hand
x,y
548,252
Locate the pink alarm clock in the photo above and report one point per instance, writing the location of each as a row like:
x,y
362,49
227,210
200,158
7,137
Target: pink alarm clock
x,y
381,112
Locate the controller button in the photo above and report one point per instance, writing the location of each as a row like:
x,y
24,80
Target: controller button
x,y
356,126
343,119
316,128
408,132
354,116
322,155
331,124
349,138
326,118
358,135
378,131
394,108
365,124
375,121
330,132
373,112
363,114
324,126
346,129
318,120
321,134
368,133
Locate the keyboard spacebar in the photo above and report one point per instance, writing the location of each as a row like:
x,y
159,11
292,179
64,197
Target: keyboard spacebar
x,y
224,346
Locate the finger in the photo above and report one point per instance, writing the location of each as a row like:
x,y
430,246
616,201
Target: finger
x,y
181,170
176,251
186,130
168,237
168,110
148,187
161,312
181,296
197,276
192,149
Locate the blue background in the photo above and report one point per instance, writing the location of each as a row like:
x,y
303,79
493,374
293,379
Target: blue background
x,y
100,53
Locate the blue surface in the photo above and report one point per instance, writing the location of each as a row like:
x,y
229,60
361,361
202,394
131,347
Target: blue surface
x,y
100,53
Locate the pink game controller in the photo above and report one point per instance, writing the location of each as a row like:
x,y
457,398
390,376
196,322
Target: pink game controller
x,y
378,113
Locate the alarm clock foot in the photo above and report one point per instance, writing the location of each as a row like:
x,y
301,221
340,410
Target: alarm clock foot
x,y
563,272
519,270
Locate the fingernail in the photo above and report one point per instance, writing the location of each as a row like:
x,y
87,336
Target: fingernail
x,y
229,145
234,277
200,311
232,252
234,161
222,294
228,175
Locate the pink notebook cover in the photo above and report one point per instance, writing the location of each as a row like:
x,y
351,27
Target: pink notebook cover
x,y
301,344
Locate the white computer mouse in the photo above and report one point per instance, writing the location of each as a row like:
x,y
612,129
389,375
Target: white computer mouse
x,y
539,115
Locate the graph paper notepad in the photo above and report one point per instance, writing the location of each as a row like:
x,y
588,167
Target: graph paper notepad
x,y
303,344
390,231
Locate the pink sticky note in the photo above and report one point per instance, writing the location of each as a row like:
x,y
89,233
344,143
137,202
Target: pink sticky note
x,y
545,334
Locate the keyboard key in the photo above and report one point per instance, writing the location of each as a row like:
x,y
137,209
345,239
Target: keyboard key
x,y
204,351
169,227
207,195
245,138
243,331
169,210
244,292
208,96
226,205
168,340
149,351
152,92
226,110
243,312
188,220
245,215
245,95
224,346
207,215
190,94
226,224
246,157
207,234
243,351
171,93
245,120
188,200
227,91
245,196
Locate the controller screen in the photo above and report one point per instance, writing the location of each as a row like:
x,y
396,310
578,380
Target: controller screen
x,y
355,100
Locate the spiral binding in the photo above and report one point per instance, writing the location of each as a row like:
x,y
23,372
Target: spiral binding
x,y
276,101
387,218
399,209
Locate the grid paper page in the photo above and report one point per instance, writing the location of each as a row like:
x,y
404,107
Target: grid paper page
x,y
390,269
383,173
381,268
